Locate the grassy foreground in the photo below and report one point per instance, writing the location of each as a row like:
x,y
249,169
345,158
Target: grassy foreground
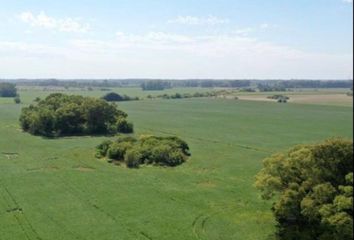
x,y
56,189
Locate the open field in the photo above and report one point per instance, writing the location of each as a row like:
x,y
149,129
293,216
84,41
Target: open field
x,y
332,97
56,189
336,97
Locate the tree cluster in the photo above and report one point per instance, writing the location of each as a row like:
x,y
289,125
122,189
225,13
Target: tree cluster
x,y
313,188
60,114
8,89
161,151
115,97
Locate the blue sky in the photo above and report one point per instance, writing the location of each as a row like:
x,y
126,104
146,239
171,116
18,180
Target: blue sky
x,y
177,39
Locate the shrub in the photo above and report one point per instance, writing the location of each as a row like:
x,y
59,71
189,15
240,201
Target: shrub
x,y
17,100
133,158
117,150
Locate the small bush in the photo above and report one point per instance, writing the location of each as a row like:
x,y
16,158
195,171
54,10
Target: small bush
x,y
17,100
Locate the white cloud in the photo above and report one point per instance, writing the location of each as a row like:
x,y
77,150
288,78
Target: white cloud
x,y
42,20
167,55
243,31
264,26
191,20
348,1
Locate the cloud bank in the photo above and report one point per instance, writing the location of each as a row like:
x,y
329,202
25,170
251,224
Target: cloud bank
x,y
42,20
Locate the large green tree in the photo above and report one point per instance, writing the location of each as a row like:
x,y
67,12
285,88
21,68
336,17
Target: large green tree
x,y
313,190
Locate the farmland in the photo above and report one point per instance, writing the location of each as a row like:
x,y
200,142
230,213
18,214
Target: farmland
x,y
57,189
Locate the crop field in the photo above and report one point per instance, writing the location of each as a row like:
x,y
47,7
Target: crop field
x,y
332,97
57,189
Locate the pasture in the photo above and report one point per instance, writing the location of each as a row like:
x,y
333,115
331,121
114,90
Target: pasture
x,y
57,189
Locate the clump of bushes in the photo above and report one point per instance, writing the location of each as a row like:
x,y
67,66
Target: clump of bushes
x,y
279,98
161,151
17,99
60,114
115,97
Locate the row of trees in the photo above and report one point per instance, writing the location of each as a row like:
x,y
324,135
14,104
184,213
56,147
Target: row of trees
x,y
8,89
312,186
219,93
162,151
60,114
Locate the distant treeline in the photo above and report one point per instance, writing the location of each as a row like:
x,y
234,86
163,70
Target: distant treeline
x,y
160,84
273,86
8,90
214,94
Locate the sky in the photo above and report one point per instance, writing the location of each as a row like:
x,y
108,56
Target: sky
x,y
170,39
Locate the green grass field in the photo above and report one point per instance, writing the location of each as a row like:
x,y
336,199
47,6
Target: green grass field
x,y
56,189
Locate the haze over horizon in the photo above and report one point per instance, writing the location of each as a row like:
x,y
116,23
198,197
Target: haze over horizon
x,y
196,39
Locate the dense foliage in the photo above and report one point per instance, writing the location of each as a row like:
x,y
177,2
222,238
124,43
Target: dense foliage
x,y
115,97
7,90
60,114
163,151
313,187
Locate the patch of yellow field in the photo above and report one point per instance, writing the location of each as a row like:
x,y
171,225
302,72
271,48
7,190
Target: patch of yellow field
x,y
320,99
327,99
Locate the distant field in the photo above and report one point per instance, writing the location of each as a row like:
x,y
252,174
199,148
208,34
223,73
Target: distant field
x,y
335,97
56,189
